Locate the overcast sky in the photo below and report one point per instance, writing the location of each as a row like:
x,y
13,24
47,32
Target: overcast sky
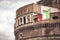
x,y
7,16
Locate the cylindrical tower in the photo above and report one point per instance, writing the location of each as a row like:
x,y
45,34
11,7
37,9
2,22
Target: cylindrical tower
x,y
28,26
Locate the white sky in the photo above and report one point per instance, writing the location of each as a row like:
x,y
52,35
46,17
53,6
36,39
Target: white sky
x,y
7,16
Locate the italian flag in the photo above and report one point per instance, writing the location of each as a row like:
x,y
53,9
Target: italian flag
x,y
45,15
40,18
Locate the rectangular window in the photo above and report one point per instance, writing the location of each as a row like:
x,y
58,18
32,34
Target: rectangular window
x,y
21,20
24,20
55,17
21,12
18,21
24,10
59,25
28,9
28,18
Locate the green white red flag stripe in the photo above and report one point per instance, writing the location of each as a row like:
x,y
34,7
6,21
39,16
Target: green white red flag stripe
x,y
40,18
44,16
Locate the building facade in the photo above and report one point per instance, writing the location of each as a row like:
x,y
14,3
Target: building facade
x,y
28,27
